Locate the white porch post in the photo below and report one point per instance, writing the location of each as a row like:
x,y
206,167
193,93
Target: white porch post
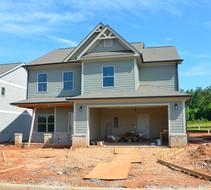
x,y
55,119
32,125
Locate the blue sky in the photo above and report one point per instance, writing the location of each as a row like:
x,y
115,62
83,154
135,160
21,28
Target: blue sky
x,y
31,28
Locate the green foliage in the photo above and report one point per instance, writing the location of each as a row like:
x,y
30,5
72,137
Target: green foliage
x,y
199,106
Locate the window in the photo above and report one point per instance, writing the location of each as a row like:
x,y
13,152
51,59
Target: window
x,y
116,122
45,123
108,43
42,82
68,81
108,76
3,91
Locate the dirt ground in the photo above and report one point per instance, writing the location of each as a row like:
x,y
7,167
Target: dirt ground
x,y
56,170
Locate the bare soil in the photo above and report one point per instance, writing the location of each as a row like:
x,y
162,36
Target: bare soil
x,y
59,171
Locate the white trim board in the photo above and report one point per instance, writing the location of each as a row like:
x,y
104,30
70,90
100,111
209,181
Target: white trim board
x,y
14,112
12,84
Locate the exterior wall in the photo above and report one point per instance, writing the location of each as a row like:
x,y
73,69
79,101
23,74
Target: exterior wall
x,y
116,46
14,119
124,76
176,119
164,76
55,81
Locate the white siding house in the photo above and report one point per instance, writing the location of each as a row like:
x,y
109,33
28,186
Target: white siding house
x,y
13,87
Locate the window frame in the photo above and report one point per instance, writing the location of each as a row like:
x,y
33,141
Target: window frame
x,y
42,82
3,91
67,81
46,124
107,76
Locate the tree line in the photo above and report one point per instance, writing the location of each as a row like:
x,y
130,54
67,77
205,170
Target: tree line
x,y
199,106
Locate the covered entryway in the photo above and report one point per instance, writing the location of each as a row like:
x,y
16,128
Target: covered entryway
x,y
129,125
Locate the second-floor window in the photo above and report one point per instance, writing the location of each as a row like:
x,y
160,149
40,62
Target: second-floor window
x,y
68,80
42,82
108,76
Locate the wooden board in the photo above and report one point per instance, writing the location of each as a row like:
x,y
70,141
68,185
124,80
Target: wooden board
x,y
114,170
185,170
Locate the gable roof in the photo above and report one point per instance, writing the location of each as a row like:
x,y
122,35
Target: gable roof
x,y
101,31
7,68
156,54
59,55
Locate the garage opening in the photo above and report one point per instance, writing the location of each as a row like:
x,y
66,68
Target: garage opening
x,y
129,125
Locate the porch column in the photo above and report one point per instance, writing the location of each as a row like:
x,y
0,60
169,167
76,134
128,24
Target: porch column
x,y
55,119
32,125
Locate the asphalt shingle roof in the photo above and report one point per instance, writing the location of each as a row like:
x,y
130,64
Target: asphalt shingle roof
x,y
165,53
6,67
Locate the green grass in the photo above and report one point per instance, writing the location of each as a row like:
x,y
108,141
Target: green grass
x,y
205,125
199,123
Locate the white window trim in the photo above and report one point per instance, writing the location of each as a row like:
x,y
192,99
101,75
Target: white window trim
x,y
109,76
104,43
40,92
68,81
46,115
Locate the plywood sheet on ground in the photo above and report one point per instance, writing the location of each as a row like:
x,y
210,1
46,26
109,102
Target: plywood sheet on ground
x,y
114,170
126,150
133,157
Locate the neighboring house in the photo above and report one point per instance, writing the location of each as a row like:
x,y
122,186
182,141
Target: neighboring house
x,y
13,87
106,86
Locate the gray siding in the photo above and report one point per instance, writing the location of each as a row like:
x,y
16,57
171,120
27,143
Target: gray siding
x,y
55,82
81,120
176,118
165,76
124,76
116,46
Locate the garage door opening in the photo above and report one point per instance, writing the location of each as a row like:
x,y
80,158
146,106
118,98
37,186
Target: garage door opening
x,y
129,125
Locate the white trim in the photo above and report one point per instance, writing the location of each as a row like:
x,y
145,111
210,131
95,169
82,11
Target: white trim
x,y
12,84
32,125
68,81
11,70
169,119
91,43
87,125
184,117
123,40
40,92
55,119
14,112
96,29
107,87
82,78
74,119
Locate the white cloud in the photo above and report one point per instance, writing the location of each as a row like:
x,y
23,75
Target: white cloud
x,y
63,41
202,69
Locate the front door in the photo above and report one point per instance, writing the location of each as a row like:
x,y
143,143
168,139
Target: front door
x,y
143,125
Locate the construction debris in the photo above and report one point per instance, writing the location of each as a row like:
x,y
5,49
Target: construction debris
x,y
4,157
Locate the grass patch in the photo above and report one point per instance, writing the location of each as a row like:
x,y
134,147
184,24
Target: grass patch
x,y
199,123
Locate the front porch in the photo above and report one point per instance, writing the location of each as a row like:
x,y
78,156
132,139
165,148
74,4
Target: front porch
x,y
52,125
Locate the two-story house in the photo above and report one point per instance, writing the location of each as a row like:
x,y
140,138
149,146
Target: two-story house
x,y
13,87
104,87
